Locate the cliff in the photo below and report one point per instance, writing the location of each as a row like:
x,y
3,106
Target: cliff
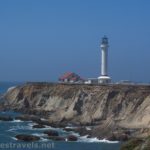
x,y
109,108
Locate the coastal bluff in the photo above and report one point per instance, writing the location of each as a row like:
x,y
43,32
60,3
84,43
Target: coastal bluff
x,y
116,110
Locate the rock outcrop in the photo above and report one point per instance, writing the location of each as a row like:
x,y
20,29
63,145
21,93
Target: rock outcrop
x,y
117,110
38,126
51,133
72,138
6,118
27,138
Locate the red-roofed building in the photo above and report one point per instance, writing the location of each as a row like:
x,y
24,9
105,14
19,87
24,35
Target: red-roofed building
x,y
71,77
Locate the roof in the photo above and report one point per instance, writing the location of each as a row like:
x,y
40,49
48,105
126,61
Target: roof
x,y
66,75
71,76
74,79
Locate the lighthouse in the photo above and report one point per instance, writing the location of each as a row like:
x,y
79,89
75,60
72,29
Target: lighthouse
x,y
104,78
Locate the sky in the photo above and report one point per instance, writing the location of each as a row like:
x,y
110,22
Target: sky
x,y
42,39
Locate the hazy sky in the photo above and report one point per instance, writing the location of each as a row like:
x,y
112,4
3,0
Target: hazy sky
x,y
42,39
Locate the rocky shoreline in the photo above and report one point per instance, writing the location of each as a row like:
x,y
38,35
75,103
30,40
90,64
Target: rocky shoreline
x,y
52,134
113,112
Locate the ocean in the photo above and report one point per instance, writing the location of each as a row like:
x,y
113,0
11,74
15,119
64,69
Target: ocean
x,y
9,129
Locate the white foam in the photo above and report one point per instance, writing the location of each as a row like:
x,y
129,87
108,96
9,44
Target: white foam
x,y
17,121
21,127
12,129
46,128
107,141
95,140
88,128
44,140
38,134
31,124
14,138
43,119
70,127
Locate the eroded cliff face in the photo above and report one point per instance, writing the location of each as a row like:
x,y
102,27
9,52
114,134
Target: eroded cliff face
x,y
108,107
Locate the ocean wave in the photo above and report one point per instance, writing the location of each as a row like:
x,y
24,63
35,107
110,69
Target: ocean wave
x,y
38,134
44,139
43,119
14,138
46,128
31,124
17,121
110,142
21,127
12,129
88,128
95,140
70,127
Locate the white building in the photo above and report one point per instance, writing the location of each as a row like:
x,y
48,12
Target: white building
x,y
91,81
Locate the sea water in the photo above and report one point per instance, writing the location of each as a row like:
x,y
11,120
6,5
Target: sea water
x,y
9,129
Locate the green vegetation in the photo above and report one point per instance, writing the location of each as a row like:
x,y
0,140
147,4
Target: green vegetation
x,y
137,144
132,144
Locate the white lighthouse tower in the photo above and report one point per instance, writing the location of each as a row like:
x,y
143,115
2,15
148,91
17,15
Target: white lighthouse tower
x,y
104,78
